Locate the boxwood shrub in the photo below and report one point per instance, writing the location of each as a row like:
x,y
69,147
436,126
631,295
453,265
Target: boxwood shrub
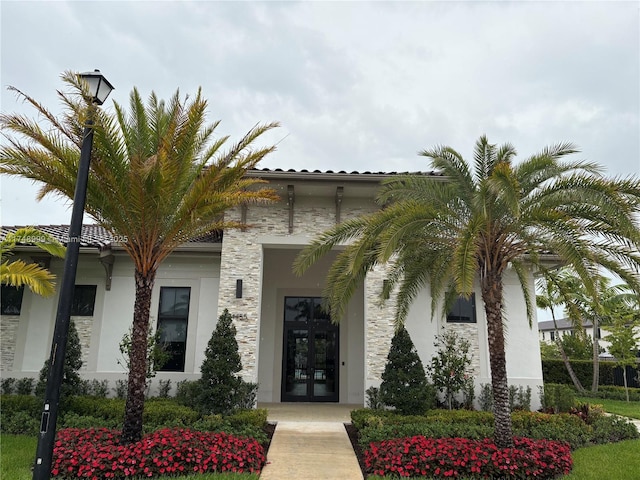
x,y
375,426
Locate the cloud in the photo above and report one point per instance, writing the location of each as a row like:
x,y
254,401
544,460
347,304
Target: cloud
x,y
356,85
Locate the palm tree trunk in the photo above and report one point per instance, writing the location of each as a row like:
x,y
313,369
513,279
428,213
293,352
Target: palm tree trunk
x,y
132,428
596,353
565,359
492,297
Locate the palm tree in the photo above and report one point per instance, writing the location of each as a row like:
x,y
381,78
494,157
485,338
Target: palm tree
x,y
558,288
610,303
18,273
158,179
479,224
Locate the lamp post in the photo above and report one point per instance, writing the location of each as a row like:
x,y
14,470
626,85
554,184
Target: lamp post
x,y
99,89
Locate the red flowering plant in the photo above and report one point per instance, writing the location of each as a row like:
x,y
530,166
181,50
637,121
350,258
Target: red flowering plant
x,y
98,454
461,457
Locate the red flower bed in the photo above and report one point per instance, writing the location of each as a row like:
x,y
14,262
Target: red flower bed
x,y
97,454
455,457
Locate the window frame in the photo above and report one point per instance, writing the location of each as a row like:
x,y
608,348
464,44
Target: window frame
x,y
460,305
18,293
177,361
76,307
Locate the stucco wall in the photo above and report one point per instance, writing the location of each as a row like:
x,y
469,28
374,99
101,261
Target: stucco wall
x,y
28,340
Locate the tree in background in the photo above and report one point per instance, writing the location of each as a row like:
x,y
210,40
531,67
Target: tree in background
x,y
558,288
624,345
604,307
471,227
158,179
404,382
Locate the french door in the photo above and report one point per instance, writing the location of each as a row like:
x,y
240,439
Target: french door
x,y
310,356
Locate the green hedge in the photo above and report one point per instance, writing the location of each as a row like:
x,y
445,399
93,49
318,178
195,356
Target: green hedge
x,y
554,371
378,425
20,414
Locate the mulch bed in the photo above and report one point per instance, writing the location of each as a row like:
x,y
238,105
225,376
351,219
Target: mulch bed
x,y
353,437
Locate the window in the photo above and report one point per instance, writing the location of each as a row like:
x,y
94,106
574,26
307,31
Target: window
x,y
463,310
173,318
84,300
11,300
553,336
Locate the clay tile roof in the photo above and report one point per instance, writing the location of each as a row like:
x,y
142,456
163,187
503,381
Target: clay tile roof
x,y
94,235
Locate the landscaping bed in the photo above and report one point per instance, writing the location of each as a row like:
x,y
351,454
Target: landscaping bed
x,y
444,443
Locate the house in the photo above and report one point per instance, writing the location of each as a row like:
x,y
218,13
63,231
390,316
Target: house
x,y
287,344
547,333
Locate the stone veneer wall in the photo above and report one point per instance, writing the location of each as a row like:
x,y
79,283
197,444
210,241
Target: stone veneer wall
x,y
8,336
84,326
469,332
241,258
9,332
379,328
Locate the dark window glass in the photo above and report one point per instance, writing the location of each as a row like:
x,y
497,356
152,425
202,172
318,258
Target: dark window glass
x,y
463,310
84,300
11,300
173,319
553,336
304,309
297,309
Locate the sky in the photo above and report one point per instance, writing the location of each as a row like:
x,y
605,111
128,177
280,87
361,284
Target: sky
x,y
358,86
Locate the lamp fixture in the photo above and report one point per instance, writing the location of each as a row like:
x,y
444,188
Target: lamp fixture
x,y
98,86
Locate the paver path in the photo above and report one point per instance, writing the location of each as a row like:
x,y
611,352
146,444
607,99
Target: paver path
x,y
310,443
311,451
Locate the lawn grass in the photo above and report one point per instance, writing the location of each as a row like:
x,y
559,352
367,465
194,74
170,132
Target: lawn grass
x,y
613,460
16,456
618,407
18,451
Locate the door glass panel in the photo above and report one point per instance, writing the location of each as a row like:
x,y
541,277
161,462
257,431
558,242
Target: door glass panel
x,y
297,309
297,354
319,315
310,356
324,377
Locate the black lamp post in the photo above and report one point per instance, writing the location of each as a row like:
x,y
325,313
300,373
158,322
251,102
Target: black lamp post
x,y
99,89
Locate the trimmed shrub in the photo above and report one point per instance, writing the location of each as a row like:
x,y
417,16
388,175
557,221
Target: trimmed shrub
x,y
554,371
614,393
610,428
255,417
164,390
7,385
557,398
167,413
20,414
73,420
429,429
24,386
20,423
72,384
374,401
220,389
560,427
404,382
110,409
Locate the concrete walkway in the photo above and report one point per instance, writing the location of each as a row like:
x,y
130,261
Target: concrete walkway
x,y
310,443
